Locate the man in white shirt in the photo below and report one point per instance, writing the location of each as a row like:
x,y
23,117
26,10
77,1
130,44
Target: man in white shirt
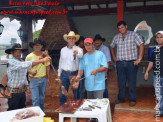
x,y
69,63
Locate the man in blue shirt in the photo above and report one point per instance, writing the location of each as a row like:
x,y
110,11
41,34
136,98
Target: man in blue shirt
x,y
98,44
93,64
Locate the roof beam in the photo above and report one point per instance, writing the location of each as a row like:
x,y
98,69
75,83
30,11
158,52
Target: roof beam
x,y
98,5
104,11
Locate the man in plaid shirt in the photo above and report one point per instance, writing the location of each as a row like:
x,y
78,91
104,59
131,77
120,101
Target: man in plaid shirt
x,y
127,59
16,73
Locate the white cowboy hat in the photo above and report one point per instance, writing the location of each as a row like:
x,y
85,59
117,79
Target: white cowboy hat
x,y
72,34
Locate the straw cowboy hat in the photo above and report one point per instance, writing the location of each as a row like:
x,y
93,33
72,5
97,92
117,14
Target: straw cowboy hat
x,y
71,34
37,41
16,46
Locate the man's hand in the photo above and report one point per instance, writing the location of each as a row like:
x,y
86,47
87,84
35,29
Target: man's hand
x,y
33,73
28,91
146,76
75,51
94,72
64,91
59,81
115,59
46,59
136,62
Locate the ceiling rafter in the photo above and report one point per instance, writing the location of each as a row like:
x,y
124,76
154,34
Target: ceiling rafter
x,y
104,11
98,5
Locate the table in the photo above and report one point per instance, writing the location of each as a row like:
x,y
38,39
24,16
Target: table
x,y
103,114
8,115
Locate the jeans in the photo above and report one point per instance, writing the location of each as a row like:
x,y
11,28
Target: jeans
x,y
65,82
126,71
37,88
95,94
106,95
82,89
158,85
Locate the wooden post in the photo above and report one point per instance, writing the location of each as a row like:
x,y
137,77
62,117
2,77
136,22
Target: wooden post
x,y
26,24
120,11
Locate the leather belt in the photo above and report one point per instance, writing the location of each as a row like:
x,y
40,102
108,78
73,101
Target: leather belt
x,y
127,61
17,90
70,72
38,77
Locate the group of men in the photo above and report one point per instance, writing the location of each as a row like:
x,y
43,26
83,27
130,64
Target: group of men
x,y
37,67
92,67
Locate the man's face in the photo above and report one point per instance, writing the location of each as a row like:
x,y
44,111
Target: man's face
x,y
88,46
71,40
98,43
81,43
159,39
122,29
37,47
17,54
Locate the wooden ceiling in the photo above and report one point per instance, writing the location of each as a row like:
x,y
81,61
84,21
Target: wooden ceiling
x,y
91,7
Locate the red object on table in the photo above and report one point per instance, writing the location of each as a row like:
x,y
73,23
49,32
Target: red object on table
x,y
70,106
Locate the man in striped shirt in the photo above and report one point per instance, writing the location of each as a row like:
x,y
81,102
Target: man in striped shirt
x,y
127,59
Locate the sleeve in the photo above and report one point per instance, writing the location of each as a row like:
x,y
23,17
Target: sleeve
x,y
80,53
152,57
81,64
138,39
27,58
107,54
47,64
59,67
15,65
103,61
114,41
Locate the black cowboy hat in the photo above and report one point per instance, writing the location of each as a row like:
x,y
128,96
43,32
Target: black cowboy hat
x,y
98,37
16,46
37,41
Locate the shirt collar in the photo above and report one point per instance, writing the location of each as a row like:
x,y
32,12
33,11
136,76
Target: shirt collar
x,y
71,48
100,46
158,47
16,59
126,33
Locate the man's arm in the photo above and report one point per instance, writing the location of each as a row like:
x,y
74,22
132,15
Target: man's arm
x,y
31,72
44,60
27,64
150,65
106,71
48,73
4,80
79,53
113,54
141,52
102,69
80,73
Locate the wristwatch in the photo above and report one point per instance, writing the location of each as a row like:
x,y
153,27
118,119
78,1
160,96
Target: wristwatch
x,y
139,59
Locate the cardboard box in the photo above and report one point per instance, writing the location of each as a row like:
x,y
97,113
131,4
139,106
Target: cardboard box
x,y
8,115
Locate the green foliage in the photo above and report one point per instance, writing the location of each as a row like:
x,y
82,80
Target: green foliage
x,y
13,41
36,34
2,52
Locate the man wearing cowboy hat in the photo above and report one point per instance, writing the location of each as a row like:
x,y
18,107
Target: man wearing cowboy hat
x,y
98,44
69,62
16,73
39,75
